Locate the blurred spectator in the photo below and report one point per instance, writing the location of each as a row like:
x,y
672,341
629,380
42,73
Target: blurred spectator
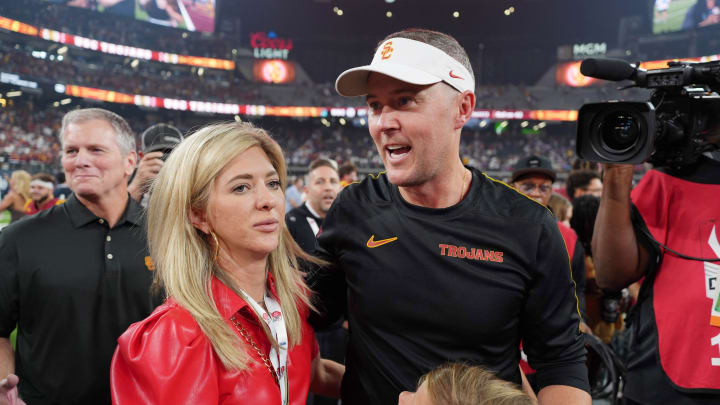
x,y
561,207
293,194
582,182
304,223
41,194
348,174
62,191
534,177
19,194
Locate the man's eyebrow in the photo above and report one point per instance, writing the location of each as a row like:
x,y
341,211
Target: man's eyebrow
x,y
395,92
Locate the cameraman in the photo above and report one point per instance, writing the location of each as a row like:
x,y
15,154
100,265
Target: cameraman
x,y
157,142
675,353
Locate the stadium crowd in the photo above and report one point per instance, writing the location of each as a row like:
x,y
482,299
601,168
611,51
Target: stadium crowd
x,y
120,30
29,140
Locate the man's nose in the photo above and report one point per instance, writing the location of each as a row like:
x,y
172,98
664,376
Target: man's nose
x,y
387,119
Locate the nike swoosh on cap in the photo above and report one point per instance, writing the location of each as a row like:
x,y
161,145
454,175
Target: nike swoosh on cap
x,y
454,76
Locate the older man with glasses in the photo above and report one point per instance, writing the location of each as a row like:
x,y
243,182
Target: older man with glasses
x,y
534,176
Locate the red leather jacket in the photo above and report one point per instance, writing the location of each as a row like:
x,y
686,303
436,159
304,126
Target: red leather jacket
x,y
167,359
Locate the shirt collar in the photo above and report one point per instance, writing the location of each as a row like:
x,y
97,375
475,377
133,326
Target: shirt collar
x,y
80,215
227,302
312,211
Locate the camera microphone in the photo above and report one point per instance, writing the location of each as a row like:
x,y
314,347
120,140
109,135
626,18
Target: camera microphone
x,y
607,69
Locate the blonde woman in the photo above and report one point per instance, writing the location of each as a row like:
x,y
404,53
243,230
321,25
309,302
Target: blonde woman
x,y
234,329
459,384
18,196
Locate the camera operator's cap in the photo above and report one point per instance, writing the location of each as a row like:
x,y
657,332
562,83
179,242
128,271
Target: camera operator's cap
x,y
160,137
533,165
409,61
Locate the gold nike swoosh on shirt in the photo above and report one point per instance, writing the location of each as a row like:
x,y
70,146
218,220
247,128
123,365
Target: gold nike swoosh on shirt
x,y
372,243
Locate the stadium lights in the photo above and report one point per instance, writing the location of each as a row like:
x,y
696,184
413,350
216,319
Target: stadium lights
x,y
237,118
524,124
134,63
3,102
56,104
338,11
542,125
389,1
483,124
184,35
62,50
15,93
362,121
60,58
65,101
201,71
456,14
388,14
342,121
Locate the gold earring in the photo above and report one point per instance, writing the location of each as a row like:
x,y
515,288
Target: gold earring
x,y
217,246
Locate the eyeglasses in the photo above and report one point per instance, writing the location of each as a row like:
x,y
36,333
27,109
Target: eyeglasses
x,y
528,188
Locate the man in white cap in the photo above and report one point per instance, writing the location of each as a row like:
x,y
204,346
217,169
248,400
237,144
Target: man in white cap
x,y
436,261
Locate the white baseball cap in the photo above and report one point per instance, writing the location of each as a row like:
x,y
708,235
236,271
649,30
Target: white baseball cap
x,y
409,61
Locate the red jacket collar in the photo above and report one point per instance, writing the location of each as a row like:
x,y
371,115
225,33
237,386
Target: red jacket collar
x,y
228,303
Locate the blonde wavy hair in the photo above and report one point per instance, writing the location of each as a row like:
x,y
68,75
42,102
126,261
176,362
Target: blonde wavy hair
x,y
460,384
21,180
184,255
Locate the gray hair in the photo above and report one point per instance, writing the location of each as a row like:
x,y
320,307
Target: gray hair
x,y
439,40
123,134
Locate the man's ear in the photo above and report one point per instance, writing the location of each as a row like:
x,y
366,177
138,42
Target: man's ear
x,y
466,106
131,162
198,219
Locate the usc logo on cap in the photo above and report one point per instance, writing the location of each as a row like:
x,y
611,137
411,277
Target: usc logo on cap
x,y
149,263
387,50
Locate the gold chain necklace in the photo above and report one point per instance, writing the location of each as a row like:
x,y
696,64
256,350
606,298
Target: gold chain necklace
x,y
462,185
264,357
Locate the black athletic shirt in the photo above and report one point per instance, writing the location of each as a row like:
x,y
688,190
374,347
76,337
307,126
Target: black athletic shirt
x,y
415,303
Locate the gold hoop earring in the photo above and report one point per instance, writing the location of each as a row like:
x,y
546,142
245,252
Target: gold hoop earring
x,y
217,246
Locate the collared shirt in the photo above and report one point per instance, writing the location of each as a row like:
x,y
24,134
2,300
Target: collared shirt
x,y
301,222
166,359
72,285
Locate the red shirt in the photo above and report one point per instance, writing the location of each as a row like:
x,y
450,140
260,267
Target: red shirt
x,y
32,208
684,215
167,359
